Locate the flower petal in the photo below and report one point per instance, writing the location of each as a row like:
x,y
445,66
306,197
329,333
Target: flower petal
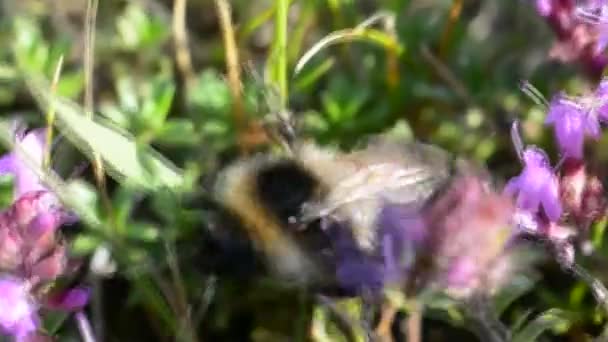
x,y
70,300
33,145
18,312
544,7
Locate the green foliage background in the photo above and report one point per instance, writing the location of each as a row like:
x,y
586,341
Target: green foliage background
x,y
442,71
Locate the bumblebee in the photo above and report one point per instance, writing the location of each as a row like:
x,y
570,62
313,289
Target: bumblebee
x,y
283,207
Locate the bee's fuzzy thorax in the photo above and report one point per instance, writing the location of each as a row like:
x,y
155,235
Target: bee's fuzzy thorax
x,y
238,189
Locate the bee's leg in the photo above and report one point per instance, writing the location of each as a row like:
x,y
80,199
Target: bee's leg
x,y
387,319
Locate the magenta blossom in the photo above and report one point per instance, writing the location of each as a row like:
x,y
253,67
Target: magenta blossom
x,y
469,229
572,120
18,311
31,146
537,186
33,254
29,244
544,7
595,12
601,100
580,32
69,300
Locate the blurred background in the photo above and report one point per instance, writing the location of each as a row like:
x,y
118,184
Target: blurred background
x,y
447,72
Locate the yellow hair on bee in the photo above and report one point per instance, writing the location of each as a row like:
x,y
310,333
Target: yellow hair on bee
x,y
327,165
237,190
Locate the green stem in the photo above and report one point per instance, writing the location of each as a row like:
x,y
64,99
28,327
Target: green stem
x,y
281,50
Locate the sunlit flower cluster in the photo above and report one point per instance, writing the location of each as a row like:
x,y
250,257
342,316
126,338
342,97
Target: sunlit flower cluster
x,y
448,244
469,228
581,29
557,202
32,253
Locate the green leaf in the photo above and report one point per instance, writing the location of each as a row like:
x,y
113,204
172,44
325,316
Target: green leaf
x,y
6,190
127,161
177,132
85,244
86,194
143,232
123,203
31,51
127,94
277,61
517,287
547,320
359,33
150,296
137,29
521,319
210,93
157,104
70,84
115,115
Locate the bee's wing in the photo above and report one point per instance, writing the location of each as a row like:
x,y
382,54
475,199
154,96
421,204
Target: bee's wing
x,y
396,173
384,172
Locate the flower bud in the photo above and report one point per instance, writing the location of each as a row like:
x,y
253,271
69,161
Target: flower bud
x,y
582,193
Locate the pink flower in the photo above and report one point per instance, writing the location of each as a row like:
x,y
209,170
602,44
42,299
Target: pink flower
x,y
469,228
580,29
32,254
18,311
572,122
537,186
582,193
601,97
30,147
29,245
595,12
544,7
69,300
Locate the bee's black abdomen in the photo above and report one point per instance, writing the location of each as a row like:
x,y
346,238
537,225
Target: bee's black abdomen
x,y
233,257
223,247
284,187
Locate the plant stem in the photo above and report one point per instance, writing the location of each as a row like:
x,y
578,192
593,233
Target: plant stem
x,y
280,71
224,13
414,323
180,40
487,325
84,327
89,68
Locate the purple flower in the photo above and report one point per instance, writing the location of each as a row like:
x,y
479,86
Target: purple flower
x,y
18,311
32,254
537,186
582,193
33,144
572,121
544,7
602,37
461,272
579,27
70,300
29,245
469,230
401,233
601,98
356,270
595,12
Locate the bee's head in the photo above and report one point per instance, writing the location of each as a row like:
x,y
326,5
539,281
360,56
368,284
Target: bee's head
x,y
284,187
